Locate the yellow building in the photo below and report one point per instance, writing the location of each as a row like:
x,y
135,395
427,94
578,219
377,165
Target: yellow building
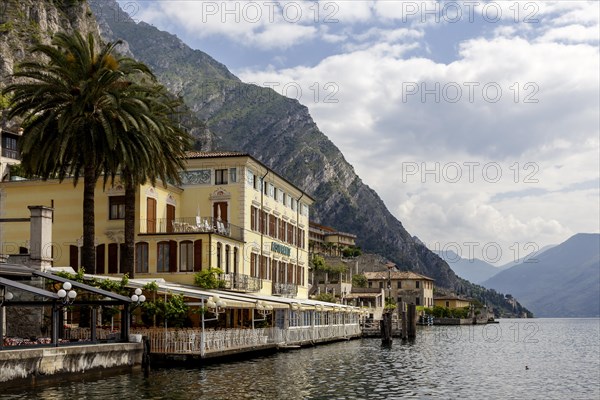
x,y
405,286
231,212
451,302
327,239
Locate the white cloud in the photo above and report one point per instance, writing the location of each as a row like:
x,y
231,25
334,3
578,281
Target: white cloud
x,y
382,127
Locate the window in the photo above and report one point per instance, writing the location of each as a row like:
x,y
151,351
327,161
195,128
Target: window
x,y
232,175
117,207
250,177
417,283
227,259
220,176
219,255
399,300
141,257
257,184
399,284
417,301
380,285
162,262
370,284
186,256
447,304
9,148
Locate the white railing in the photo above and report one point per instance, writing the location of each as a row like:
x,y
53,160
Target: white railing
x,y
181,341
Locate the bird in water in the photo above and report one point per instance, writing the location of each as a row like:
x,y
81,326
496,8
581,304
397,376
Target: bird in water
x,y
526,367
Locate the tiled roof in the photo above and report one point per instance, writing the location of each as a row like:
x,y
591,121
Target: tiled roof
x,y
396,275
451,297
209,154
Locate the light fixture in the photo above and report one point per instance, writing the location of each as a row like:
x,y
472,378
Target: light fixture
x,y
66,294
137,297
215,305
263,308
5,295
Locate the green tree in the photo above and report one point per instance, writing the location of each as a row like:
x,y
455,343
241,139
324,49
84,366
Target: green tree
x,y
156,152
359,280
80,107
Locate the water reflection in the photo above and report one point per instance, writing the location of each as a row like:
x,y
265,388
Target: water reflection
x,y
471,362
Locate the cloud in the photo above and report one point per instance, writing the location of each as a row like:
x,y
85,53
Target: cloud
x,y
524,101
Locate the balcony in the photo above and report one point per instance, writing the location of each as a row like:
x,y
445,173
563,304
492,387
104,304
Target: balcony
x,y
10,153
191,225
241,283
285,289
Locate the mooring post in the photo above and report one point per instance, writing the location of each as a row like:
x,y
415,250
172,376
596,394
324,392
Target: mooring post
x,y
146,356
386,328
411,321
404,328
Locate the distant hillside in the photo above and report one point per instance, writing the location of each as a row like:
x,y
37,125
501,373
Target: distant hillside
x,y
564,282
473,270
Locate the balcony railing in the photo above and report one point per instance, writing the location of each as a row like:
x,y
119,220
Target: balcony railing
x,y
242,283
191,225
9,153
285,289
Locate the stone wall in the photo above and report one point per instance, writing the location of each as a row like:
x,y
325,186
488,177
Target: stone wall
x,y
18,366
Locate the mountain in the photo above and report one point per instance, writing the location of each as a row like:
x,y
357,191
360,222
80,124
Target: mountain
x,y
531,257
564,282
281,133
473,270
227,114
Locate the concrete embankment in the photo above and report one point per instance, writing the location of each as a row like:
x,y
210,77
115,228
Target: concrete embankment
x,y
33,365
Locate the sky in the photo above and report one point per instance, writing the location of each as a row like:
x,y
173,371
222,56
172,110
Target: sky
x,y
477,122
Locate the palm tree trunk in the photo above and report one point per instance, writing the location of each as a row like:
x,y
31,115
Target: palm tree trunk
x,y
129,256
88,251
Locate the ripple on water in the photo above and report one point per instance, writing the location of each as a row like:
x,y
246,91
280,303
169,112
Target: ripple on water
x,y
563,358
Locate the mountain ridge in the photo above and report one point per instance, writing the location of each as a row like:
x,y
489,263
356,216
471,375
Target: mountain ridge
x,y
563,282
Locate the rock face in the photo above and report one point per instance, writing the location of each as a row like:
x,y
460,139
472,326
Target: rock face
x,y
228,114
24,23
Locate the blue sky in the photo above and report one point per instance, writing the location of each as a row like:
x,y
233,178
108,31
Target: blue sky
x,y
475,121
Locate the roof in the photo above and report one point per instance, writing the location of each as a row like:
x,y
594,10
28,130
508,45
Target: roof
x,y
28,288
396,275
362,295
214,154
451,297
85,287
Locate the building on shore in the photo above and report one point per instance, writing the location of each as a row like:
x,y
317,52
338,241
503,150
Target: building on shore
x,y
325,239
10,152
451,301
404,286
231,212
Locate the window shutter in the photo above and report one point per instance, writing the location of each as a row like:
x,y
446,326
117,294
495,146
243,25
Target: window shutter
x,y
172,256
113,260
100,256
198,255
74,257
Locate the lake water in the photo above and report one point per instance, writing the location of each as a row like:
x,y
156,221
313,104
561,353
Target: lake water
x,y
516,359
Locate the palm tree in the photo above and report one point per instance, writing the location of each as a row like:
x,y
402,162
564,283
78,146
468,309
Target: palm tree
x,y
78,106
157,153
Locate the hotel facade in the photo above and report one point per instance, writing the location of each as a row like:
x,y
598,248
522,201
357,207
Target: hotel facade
x,y
231,212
